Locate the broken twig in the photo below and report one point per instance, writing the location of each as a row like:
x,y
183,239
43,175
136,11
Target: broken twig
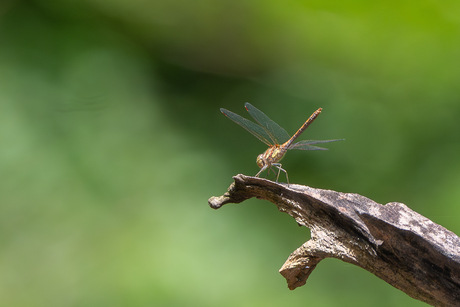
x,y
393,242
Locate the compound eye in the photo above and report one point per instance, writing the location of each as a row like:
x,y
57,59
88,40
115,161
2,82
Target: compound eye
x,y
260,161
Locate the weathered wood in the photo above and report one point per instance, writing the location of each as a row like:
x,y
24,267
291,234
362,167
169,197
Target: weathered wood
x,y
395,243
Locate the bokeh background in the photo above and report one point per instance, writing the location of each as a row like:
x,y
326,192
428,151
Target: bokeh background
x,y
112,142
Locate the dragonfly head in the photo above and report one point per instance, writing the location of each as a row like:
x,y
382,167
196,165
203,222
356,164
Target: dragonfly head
x,y
261,162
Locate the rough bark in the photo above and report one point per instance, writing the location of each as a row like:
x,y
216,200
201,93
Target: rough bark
x,y
391,241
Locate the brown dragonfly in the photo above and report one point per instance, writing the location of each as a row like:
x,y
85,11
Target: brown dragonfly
x,y
275,137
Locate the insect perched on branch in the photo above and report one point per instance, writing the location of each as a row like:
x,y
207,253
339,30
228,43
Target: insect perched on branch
x,y
275,137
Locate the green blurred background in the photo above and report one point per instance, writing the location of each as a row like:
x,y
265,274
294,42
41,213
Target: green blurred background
x,y
112,142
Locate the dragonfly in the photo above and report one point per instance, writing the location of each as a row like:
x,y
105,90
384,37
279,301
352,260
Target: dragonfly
x,y
273,135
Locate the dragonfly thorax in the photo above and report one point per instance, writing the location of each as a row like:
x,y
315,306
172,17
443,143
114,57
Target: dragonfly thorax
x,y
272,155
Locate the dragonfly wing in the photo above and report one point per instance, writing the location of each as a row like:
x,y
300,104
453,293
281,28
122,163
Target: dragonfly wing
x,y
276,133
253,128
307,144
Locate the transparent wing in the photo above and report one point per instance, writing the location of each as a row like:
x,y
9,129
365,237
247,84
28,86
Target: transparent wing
x,y
307,144
276,133
253,128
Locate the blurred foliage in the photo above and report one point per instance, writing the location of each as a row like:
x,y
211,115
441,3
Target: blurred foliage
x,y
112,142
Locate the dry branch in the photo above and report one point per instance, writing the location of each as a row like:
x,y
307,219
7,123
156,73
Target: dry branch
x,y
400,246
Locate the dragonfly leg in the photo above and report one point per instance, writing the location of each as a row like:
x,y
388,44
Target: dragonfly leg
x,y
278,175
261,170
278,166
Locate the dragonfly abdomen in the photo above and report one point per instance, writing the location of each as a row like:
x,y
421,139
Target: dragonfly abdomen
x,y
302,129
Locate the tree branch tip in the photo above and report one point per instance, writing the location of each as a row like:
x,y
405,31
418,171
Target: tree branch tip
x,y
391,241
